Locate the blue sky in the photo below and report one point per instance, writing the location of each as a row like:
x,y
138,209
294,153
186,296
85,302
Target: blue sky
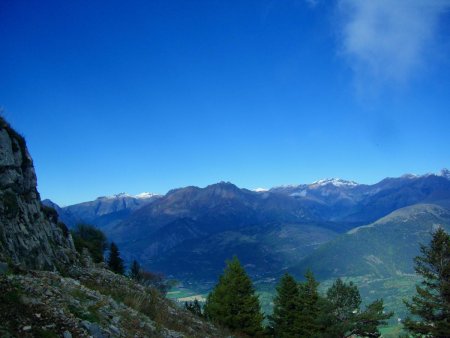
x,y
139,96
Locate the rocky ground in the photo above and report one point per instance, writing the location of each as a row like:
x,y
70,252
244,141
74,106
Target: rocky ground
x,y
90,302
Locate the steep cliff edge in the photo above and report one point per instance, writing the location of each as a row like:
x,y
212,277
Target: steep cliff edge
x,y
30,234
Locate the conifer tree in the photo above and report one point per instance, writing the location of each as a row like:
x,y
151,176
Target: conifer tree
x,y
431,304
342,317
309,306
285,318
135,271
345,299
368,321
233,302
115,262
194,307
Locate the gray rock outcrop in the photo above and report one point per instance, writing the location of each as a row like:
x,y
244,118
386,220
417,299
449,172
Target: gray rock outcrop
x,y
30,234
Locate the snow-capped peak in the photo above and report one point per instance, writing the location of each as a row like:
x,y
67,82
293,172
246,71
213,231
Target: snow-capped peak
x,y
287,186
111,197
144,195
445,173
337,182
260,190
410,176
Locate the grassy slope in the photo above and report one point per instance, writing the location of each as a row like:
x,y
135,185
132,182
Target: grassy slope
x,y
383,249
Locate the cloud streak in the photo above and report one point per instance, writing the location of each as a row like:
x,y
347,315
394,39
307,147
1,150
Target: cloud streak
x,y
387,41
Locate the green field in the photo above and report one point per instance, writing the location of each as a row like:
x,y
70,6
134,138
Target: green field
x,y
181,292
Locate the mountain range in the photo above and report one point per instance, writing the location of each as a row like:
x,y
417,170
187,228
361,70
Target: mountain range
x,y
189,232
103,211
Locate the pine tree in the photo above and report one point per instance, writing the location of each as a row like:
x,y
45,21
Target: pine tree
x,y
342,317
309,306
135,271
338,310
285,318
115,262
194,307
345,299
368,321
233,302
432,302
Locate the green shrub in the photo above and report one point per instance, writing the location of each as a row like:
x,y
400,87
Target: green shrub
x,y
155,280
91,238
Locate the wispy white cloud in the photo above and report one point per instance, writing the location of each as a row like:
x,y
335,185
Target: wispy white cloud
x,y
385,40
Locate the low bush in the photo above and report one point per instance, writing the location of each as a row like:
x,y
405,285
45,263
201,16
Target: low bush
x,y
91,238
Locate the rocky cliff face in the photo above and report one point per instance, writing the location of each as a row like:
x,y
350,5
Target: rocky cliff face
x,y
30,234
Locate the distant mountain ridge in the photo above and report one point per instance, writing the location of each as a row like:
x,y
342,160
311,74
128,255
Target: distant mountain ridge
x,y
104,211
189,218
269,229
354,203
206,225
339,182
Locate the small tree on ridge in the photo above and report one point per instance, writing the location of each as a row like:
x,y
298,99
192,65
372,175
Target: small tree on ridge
x,y
115,262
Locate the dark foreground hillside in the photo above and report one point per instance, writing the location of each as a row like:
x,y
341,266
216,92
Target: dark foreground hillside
x,y
90,302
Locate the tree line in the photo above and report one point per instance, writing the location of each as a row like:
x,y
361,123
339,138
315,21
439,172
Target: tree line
x,y
299,310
